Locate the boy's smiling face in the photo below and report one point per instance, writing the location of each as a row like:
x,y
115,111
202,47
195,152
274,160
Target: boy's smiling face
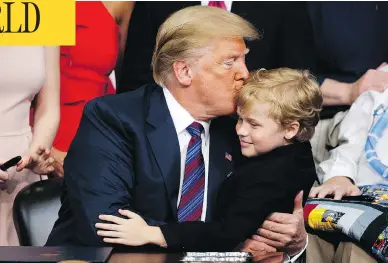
x,y
258,133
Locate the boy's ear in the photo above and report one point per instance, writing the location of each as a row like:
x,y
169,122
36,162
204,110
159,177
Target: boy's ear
x,y
292,130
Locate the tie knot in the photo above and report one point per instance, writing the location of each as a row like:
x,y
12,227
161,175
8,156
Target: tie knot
x,y
195,129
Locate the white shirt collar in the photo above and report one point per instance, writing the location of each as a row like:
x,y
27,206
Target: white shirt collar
x,y
180,117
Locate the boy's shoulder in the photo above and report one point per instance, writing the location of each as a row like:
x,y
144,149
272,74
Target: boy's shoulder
x,y
282,160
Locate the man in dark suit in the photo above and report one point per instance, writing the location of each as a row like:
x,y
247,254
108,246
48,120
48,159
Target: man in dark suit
x,y
350,45
135,150
286,36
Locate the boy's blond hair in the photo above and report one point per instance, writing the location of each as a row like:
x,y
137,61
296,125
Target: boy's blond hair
x,y
192,28
293,95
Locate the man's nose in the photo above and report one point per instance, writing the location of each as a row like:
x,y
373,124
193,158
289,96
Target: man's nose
x,y
244,73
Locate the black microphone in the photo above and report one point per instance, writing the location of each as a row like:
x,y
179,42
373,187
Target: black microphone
x,y
12,162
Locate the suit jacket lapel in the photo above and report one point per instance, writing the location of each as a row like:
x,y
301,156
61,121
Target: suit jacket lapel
x,y
164,142
219,165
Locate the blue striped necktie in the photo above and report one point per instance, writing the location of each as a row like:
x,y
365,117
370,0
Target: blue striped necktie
x,y
373,138
192,194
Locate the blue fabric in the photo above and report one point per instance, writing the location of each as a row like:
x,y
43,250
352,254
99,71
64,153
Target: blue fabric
x,y
374,135
350,38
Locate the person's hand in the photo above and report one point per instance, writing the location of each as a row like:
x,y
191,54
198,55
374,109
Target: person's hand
x,y
283,231
58,155
373,79
59,158
276,257
58,169
133,231
4,176
261,252
257,249
38,161
338,186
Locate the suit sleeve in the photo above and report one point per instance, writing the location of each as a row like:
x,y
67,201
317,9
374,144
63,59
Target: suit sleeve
x,y
99,174
70,118
297,39
243,217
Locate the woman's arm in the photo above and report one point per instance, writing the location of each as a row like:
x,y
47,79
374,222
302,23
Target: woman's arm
x,y
125,12
46,117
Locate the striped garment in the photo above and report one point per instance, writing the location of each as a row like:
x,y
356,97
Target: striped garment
x,y
193,187
374,135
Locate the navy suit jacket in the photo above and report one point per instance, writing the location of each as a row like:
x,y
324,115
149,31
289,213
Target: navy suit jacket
x,y
126,155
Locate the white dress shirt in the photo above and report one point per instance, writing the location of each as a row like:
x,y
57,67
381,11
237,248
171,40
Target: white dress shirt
x,y
228,4
182,119
349,159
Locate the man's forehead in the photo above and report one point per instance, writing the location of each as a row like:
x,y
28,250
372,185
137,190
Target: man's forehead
x,y
226,49
243,52
237,51
229,43
232,53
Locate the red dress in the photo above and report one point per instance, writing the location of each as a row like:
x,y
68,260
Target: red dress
x,y
85,67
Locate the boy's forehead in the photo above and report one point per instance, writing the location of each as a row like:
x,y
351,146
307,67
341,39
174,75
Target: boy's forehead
x,y
256,109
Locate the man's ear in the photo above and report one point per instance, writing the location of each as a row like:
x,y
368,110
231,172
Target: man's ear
x,y
292,130
182,72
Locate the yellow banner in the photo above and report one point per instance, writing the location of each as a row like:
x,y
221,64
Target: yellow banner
x,y
37,22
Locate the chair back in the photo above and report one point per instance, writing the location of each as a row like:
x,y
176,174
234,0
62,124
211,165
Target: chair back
x,y
35,211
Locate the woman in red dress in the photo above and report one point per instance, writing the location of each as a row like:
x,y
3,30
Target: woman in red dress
x,y
85,68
